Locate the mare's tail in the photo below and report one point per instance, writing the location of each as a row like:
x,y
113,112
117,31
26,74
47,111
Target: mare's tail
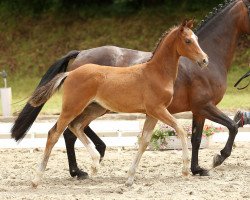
x,y
43,93
29,113
244,76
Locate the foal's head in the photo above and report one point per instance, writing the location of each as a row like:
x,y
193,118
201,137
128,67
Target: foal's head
x,y
188,46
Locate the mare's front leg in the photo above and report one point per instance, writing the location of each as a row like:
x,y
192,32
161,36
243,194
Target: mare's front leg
x,y
197,128
92,111
212,113
147,131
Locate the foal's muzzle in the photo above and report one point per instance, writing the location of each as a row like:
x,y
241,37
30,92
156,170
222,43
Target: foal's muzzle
x,y
203,63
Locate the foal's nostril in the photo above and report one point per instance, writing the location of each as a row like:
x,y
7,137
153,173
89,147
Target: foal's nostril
x,y
204,61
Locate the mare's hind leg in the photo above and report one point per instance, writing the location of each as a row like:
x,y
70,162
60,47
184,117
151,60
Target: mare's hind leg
x,y
212,113
147,131
163,115
90,113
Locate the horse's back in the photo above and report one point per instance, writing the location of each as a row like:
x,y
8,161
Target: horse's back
x,y
110,56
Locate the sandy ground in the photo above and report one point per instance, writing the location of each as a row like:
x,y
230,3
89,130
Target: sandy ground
x,y
158,176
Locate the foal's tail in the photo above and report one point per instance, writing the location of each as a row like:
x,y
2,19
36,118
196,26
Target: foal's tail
x,y
29,113
43,93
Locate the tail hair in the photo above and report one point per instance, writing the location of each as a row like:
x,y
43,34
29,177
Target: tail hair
x,y
43,93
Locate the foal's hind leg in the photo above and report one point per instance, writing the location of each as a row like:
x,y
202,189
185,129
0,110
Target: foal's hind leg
x,y
77,125
90,113
147,131
163,115
53,137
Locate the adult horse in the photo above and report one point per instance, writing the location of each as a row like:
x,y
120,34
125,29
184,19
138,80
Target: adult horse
x,y
196,90
142,88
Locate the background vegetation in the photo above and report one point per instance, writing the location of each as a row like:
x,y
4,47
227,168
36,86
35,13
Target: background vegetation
x,y
34,33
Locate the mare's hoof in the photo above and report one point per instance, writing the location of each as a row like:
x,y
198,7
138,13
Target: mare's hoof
x,y
200,171
204,173
218,160
82,175
101,158
79,174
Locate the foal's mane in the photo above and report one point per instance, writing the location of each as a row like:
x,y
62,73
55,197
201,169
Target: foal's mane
x,y
161,39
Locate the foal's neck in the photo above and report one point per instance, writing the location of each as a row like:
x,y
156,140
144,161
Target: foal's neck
x,y
165,58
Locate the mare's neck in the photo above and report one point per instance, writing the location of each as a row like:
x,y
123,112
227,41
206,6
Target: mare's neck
x,y
219,39
165,58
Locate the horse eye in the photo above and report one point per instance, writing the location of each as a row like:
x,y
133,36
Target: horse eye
x,y
188,41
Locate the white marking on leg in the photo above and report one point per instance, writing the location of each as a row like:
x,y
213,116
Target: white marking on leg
x,y
95,157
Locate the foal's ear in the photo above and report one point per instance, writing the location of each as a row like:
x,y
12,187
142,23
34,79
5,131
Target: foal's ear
x,y
183,25
190,23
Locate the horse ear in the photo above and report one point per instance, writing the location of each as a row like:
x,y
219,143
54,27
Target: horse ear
x,y
183,24
190,23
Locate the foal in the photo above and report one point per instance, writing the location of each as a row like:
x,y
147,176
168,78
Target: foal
x,y
144,88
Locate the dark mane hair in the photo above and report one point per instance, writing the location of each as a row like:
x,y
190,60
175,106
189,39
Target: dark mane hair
x,y
213,13
203,22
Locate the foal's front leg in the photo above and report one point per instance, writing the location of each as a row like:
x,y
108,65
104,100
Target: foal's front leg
x,y
147,131
163,115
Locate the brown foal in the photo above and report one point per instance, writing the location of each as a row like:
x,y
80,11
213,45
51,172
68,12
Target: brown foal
x,y
143,88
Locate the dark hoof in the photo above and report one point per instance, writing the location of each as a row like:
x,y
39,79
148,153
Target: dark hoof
x,y
82,175
101,158
218,160
79,174
200,171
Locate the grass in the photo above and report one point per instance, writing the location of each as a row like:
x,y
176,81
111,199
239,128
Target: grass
x,y
29,45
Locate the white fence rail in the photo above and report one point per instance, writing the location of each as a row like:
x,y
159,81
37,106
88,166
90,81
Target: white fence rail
x,y
115,133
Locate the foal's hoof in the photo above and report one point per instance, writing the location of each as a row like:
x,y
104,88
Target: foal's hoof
x,y
217,160
129,183
94,170
34,184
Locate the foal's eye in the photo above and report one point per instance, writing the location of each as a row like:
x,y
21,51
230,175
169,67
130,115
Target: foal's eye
x,y
188,41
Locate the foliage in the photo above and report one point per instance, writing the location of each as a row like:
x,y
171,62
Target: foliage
x,y
162,132
35,33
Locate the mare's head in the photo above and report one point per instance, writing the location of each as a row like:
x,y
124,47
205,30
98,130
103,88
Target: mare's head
x,y
188,46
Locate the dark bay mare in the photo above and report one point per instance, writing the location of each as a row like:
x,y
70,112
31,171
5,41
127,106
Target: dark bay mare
x,y
196,90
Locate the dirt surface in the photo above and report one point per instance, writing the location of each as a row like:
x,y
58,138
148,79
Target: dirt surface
x,y
158,176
